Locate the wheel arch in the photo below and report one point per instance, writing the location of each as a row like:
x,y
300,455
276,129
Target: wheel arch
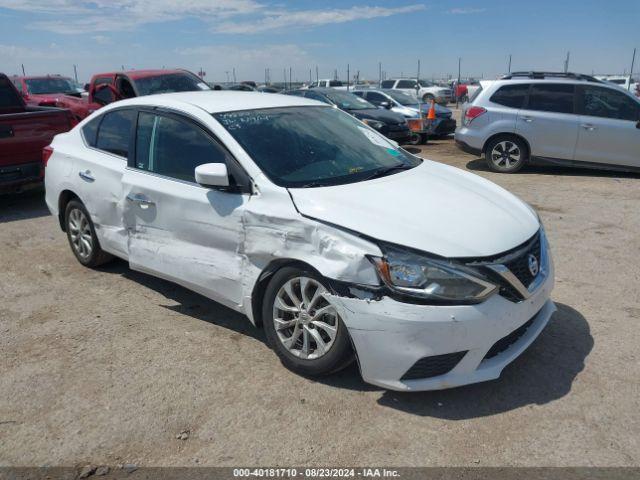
x,y
260,287
507,134
63,200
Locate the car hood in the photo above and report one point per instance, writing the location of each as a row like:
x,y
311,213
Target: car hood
x,y
380,114
432,207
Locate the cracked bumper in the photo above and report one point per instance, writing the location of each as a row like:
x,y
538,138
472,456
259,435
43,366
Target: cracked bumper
x,y
390,336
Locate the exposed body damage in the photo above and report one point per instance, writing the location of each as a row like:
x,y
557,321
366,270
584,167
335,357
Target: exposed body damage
x,y
232,243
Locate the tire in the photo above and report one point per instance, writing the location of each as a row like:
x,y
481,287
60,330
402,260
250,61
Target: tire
x,y
315,361
424,138
506,154
81,235
464,99
414,139
428,97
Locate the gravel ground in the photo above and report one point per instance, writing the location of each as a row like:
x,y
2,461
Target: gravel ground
x,y
111,366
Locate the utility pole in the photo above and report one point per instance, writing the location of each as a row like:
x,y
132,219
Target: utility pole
x,y
348,79
379,74
317,76
566,63
227,72
509,69
234,75
459,63
75,72
310,77
284,71
289,77
633,61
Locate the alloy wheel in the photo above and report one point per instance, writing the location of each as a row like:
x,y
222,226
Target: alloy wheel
x,y
305,322
506,154
80,233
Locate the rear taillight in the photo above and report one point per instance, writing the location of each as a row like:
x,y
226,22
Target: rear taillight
x,y
46,154
472,113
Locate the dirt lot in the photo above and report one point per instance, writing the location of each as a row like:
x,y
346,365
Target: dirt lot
x,y
110,366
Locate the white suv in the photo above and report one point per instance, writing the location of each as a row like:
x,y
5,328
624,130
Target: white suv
x,y
426,91
315,226
552,118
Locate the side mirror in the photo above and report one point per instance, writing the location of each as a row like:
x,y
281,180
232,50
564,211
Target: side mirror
x,y
212,175
386,105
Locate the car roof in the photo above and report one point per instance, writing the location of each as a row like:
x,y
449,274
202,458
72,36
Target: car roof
x,y
216,101
137,74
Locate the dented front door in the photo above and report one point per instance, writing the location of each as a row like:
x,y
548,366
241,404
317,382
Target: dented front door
x,y
177,229
185,233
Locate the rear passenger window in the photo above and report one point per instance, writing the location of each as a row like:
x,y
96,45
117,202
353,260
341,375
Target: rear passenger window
x,y
387,83
406,84
115,132
173,148
90,131
550,97
511,95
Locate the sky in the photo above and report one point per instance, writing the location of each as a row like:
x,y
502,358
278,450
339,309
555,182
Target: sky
x,y
50,36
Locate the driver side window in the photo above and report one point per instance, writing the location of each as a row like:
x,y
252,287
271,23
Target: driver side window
x,y
377,98
173,148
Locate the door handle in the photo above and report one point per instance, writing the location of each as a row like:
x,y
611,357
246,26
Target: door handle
x,y
86,175
588,126
140,199
527,119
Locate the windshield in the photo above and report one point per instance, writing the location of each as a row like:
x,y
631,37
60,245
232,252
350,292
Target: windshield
x,y
313,146
402,98
348,101
41,86
170,82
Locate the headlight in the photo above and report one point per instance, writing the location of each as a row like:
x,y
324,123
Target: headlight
x,y
375,124
432,279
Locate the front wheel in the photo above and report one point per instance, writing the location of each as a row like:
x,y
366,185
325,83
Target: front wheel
x,y
506,154
302,326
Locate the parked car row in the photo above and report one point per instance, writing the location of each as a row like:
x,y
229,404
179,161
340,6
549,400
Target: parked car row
x,y
552,118
24,131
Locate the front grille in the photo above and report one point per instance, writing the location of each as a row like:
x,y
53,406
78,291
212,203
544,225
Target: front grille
x,y
505,342
520,266
428,367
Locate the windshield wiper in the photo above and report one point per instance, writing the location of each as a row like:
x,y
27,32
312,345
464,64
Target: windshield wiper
x,y
388,171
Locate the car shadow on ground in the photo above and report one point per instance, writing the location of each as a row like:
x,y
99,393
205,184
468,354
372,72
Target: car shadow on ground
x,y
545,372
188,302
23,206
479,165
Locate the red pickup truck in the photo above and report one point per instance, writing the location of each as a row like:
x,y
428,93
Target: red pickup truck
x,y
24,131
105,88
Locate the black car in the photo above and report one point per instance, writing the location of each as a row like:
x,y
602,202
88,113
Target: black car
x,y
390,124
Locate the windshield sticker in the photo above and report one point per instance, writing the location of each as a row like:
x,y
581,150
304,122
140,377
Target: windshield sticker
x,y
374,138
393,151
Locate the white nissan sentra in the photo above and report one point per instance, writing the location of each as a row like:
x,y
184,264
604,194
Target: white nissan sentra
x,y
337,242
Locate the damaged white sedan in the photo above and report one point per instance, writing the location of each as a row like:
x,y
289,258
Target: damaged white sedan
x,y
338,242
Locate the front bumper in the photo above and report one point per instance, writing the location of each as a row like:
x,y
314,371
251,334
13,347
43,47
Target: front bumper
x,y
390,336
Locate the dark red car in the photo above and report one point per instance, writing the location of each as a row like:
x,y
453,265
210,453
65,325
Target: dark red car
x,y
24,131
106,88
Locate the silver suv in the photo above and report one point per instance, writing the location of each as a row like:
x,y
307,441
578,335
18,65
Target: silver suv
x,y
551,118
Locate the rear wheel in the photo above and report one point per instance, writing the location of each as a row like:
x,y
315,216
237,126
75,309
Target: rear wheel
x,y
506,154
302,326
428,97
82,236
